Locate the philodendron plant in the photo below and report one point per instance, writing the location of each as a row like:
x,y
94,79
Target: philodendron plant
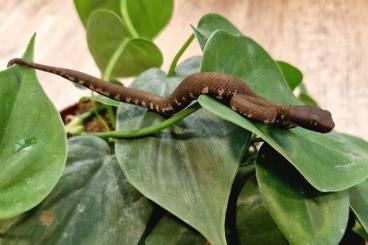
x,y
204,175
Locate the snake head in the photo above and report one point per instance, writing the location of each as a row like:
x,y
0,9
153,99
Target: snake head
x,y
312,118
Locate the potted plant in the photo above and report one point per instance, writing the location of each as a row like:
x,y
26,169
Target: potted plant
x,y
204,175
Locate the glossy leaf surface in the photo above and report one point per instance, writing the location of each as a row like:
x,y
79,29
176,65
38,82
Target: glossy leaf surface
x,y
187,169
303,214
32,140
254,224
330,162
119,56
92,203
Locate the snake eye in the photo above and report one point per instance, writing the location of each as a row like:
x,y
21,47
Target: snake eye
x,y
314,123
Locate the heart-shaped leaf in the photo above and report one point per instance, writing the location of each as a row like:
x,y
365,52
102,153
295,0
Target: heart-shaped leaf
x,y
86,7
254,224
210,23
147,17
187,169
92,203
303,214
119,56
32,140
359,202
330,162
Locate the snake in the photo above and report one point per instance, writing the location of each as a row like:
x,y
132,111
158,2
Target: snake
x,y
227,89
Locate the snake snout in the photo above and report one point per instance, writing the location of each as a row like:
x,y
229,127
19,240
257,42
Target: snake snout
x,y
326,123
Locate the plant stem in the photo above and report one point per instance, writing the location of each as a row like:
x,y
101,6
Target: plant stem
x,y
114,58
108,73
98,116
111,115
149,130
127,20
75,126
174,62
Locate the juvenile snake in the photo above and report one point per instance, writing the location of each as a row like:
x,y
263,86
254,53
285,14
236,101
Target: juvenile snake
x,y
227,89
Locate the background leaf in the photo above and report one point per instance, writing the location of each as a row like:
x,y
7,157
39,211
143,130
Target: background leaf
x,y
306,99
148,17
92,203
254,224
187,169
330,162
292,75
86,7
119,56
32,140
359,202
303,214
172,231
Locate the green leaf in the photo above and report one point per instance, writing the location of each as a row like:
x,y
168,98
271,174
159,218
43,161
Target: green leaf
x,y
187,169
330,162
201,39
211,23
254,223
358,229
171,231
306,99
292,75
303,214
32,140
105,100
147,17
85,8
92,204
115,54
359,202
138,56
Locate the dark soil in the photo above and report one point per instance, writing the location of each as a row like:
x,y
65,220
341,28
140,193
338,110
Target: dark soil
x,y
91,125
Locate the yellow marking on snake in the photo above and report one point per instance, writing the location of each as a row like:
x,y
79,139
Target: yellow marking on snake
x,y
176,101
205,90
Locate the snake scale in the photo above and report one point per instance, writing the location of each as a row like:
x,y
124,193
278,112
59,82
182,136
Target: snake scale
x,y
227,89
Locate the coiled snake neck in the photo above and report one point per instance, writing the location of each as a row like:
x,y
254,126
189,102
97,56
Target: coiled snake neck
x,y
227,89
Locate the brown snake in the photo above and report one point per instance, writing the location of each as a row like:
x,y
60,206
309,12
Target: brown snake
x,y
227,89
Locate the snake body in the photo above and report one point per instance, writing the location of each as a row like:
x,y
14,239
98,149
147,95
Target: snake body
x,y
227,89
